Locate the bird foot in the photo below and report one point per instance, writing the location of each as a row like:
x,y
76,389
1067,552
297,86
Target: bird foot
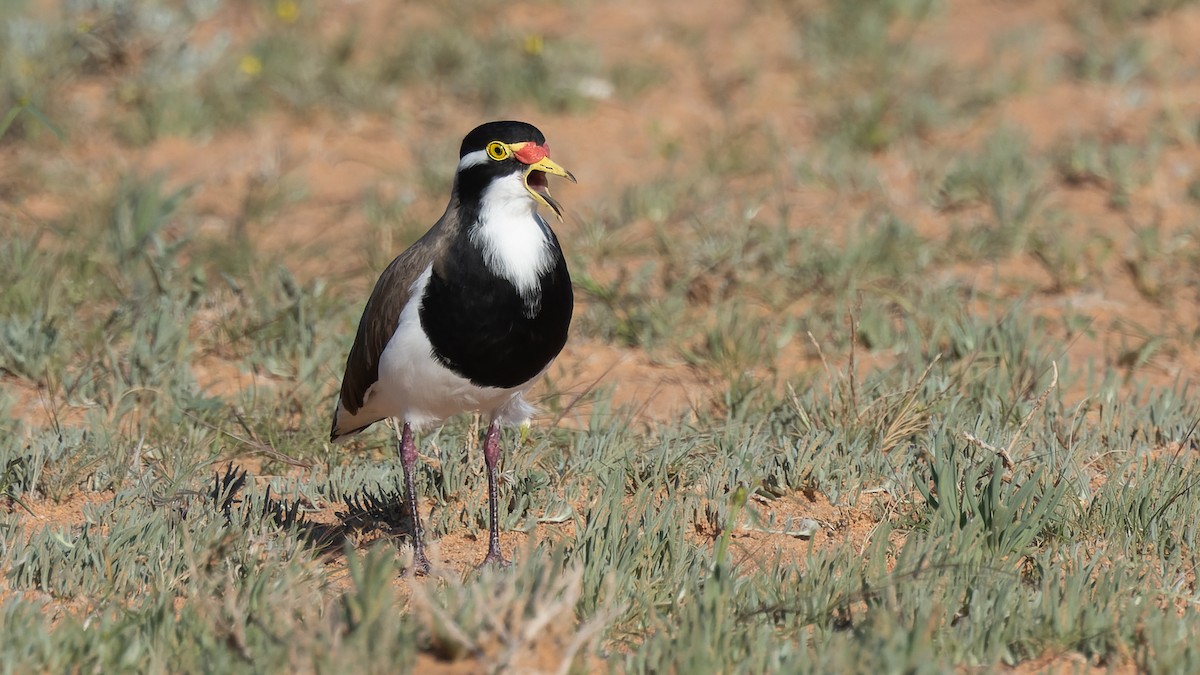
x,y
420,564
494,559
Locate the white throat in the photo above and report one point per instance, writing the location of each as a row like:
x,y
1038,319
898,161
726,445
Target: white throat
x,y
513,237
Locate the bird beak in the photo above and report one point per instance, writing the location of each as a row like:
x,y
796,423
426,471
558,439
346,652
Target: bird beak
x,y
535,176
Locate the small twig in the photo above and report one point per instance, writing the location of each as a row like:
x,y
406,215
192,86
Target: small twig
x,y
1002,453
1005,454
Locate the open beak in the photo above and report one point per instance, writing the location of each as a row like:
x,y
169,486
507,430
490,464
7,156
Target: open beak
x,y
535,176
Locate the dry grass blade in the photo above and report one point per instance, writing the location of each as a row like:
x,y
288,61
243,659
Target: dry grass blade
x,y
908,418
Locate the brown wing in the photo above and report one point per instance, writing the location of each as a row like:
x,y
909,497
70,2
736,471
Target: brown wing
x,y
382,313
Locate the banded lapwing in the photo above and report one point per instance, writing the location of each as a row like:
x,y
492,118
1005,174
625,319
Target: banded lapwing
x,y
470,316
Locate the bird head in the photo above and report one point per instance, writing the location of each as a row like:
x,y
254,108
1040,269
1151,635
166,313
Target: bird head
x,y
504,149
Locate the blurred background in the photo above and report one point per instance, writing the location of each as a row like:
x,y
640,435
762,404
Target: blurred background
x,y
750,173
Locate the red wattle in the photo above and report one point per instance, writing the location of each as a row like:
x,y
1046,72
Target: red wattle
x,y
532,153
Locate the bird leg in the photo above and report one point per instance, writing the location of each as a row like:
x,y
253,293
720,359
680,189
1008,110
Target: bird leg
x,y
408,460
491,457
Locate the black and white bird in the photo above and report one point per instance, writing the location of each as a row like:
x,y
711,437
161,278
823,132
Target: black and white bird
x,y
471,315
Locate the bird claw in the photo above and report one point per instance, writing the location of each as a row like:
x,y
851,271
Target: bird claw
x,y
420,566
494,559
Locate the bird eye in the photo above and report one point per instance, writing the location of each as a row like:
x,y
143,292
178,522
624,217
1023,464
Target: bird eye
x,y
498,151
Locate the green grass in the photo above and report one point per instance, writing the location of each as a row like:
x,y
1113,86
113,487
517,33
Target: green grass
x,y
997,564
1009,485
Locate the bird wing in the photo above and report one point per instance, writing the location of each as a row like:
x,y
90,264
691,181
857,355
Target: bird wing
x,y
382,313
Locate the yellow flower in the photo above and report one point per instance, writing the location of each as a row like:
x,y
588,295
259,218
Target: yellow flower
x,y
534,45
251,65
287,10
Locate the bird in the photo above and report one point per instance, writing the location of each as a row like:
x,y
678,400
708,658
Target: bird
x,y
470,316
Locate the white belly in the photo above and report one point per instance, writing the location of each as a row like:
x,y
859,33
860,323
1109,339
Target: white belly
x,y
415,387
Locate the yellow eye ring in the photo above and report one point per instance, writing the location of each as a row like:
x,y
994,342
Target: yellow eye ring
x,y
498,151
